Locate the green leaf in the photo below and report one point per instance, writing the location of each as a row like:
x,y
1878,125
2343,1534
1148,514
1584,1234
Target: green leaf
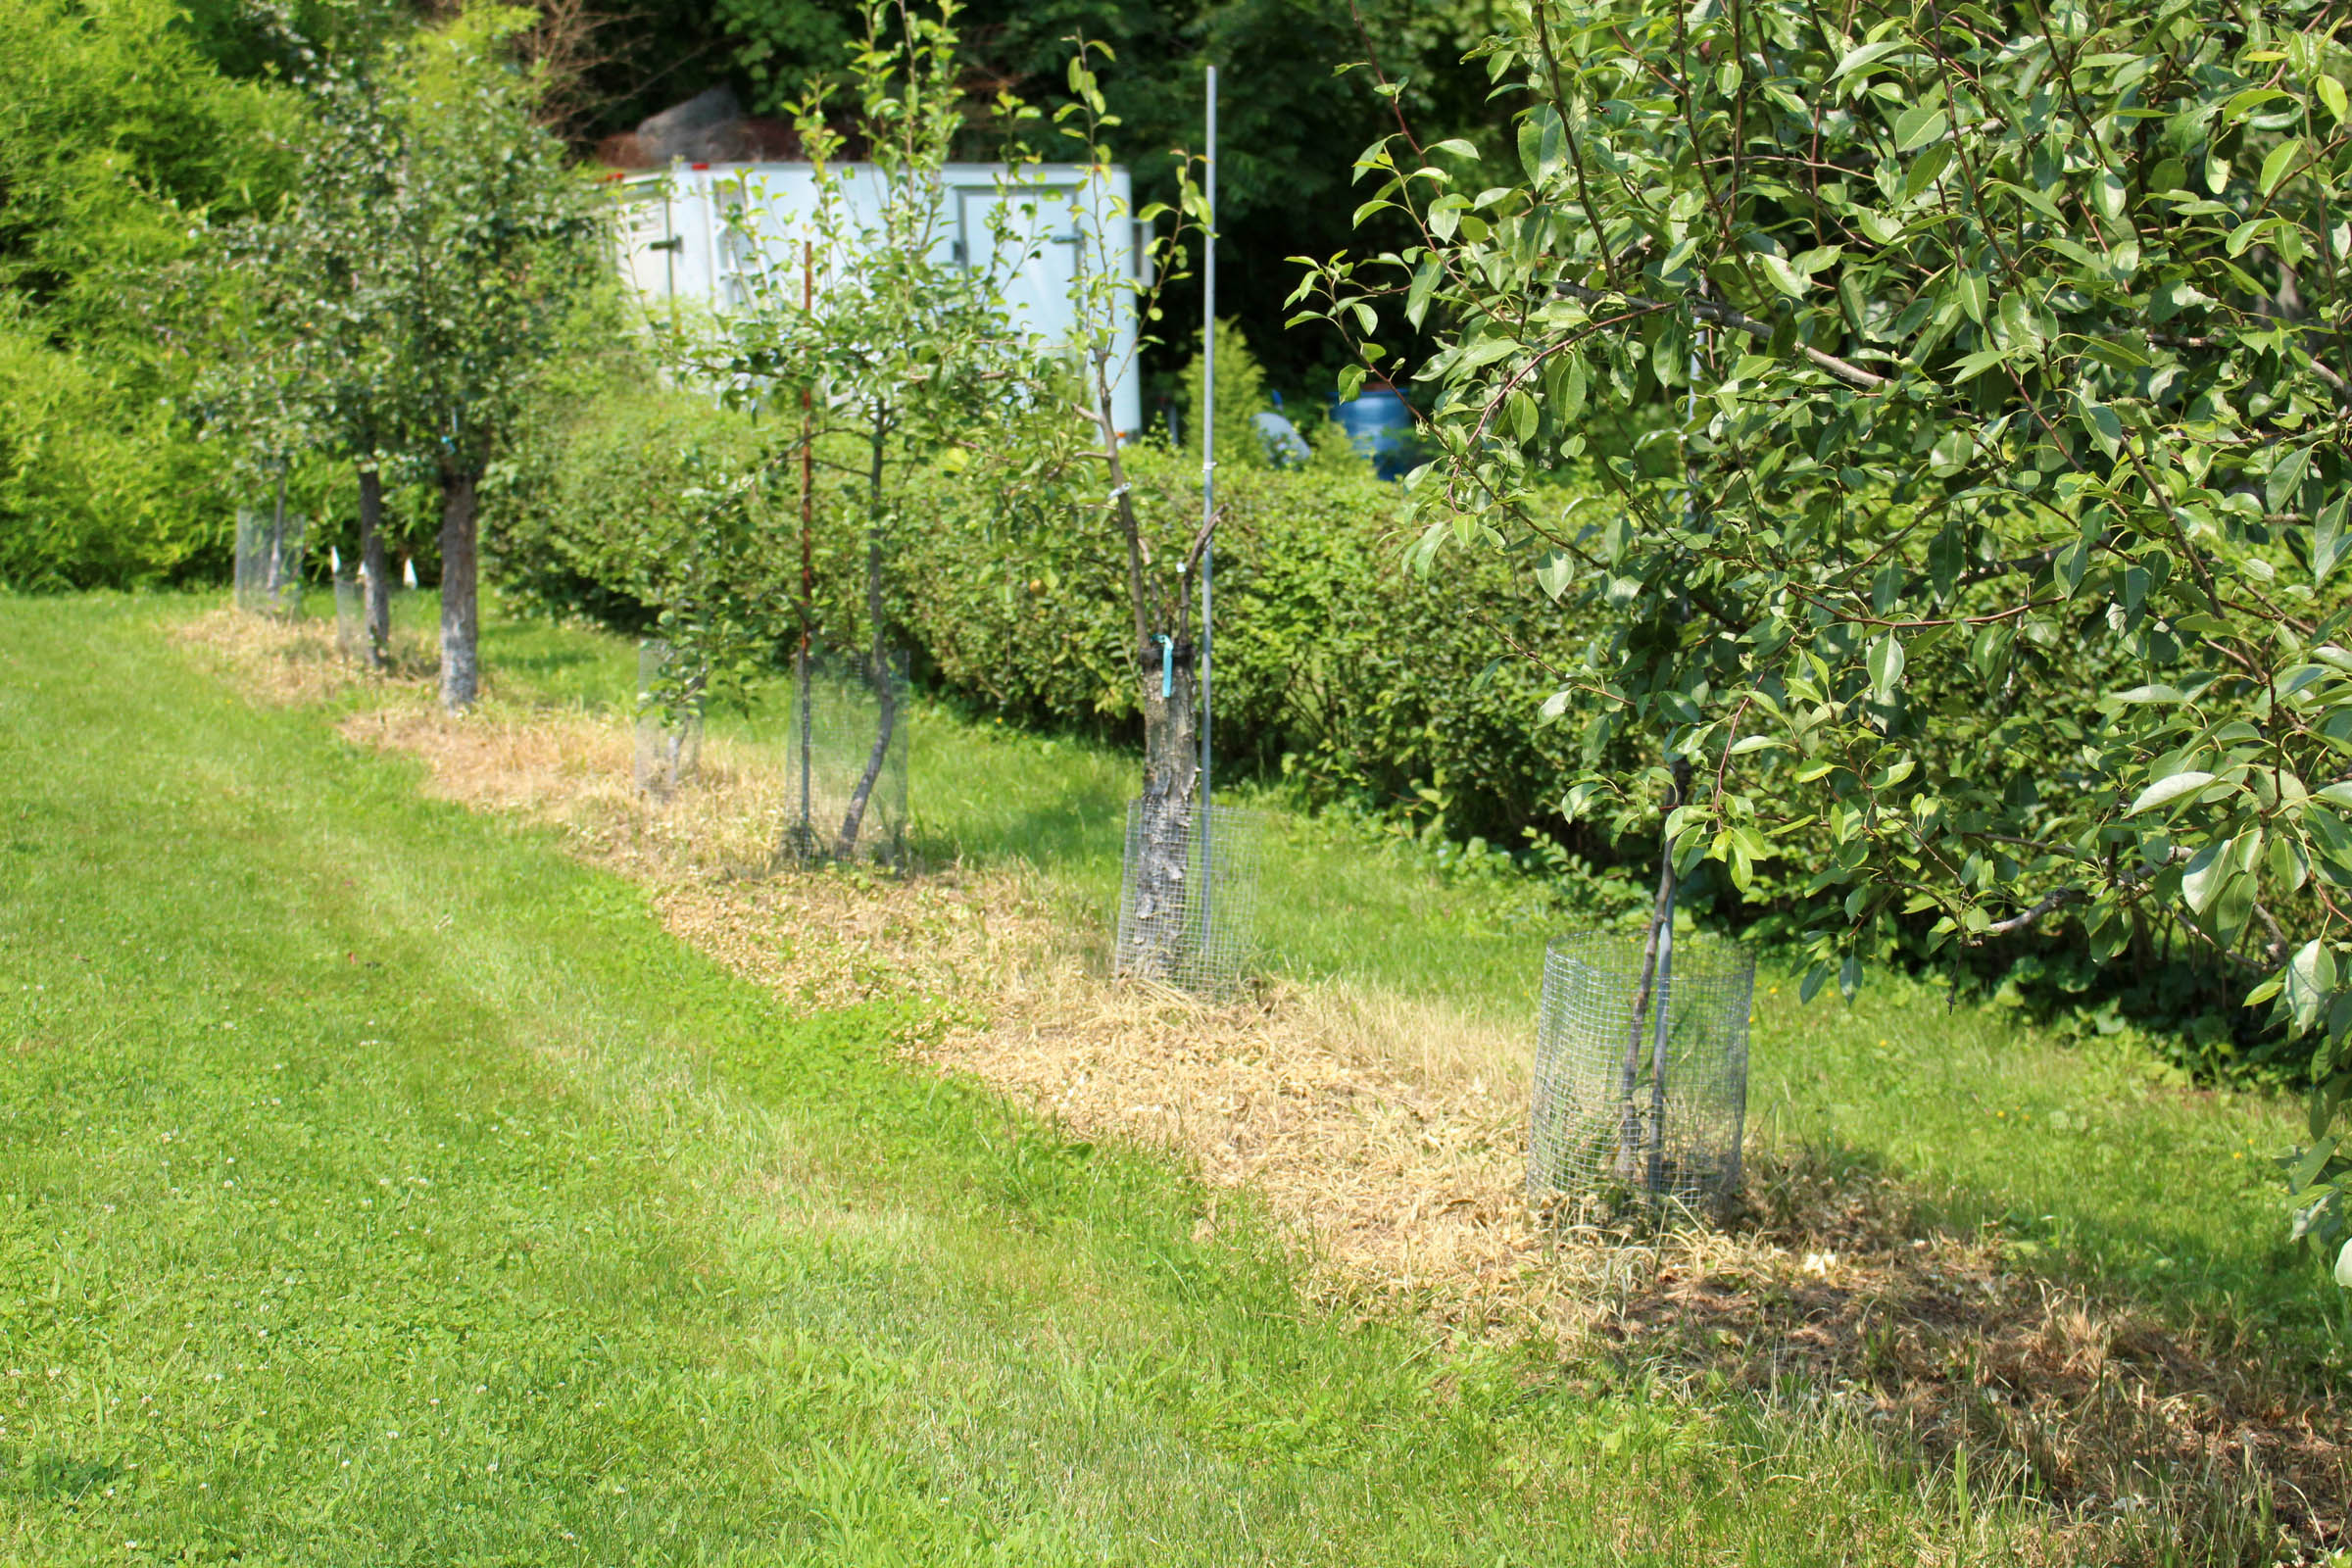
x,y
2330,543
1973,294
1520,411
2286,479
2165,791
2107,194
2331,93
2018,324
2245,236
1887,664
1972,366
1416,298
1919,126
2343,1260
1788,279
1556,574
2282,157
2104,428
1869,54
1458,147
1542,144
1927,169
2309,982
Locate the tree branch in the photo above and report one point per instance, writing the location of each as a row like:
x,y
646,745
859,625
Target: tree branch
x,y
1852,374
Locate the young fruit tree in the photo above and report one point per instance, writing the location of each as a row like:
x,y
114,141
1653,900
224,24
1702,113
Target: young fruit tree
x,y
2007,350
322,271
1113,311
869,351
255,390
490,237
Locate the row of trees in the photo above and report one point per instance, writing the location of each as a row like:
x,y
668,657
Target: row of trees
x,y
1996,349
396,309
870,353
392,311
2001,345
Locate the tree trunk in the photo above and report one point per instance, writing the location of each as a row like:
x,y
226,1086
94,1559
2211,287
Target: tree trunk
x,y
1154,918
1657,943
375,578
460,611
886,694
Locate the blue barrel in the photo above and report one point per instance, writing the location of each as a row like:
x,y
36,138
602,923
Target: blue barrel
x,y
1379,425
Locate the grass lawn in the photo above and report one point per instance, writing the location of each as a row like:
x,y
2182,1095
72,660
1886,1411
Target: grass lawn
x,y
379,1185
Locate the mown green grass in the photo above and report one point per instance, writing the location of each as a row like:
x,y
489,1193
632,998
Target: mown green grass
x,y
379,1185
2096,1167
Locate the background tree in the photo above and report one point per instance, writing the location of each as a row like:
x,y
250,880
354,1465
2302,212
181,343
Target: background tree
x,y
495,239
2007,349
328,269
119,147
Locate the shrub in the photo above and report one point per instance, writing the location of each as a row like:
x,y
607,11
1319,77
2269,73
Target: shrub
x,y
1356,679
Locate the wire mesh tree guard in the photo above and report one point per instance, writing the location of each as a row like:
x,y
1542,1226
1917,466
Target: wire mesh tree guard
x,y
269,562
1640,1079
670,722
1188,895
351,609
845,760
1188,885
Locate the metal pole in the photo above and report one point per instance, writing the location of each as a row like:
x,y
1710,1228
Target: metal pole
x,y
1208,497
802,694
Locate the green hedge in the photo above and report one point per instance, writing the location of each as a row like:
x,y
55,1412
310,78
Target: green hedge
x,y
122,139
1335,666
1332,662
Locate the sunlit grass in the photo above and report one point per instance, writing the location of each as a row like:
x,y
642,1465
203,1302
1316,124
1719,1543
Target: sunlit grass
x,y
379,1184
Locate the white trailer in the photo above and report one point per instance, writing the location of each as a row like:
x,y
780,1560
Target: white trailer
x,y
694,233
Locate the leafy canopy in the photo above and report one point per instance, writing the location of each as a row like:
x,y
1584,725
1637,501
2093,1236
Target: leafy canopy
x,y
2002,574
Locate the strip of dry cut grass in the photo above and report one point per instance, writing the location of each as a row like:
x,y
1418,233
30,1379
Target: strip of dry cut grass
x,y
1389,1137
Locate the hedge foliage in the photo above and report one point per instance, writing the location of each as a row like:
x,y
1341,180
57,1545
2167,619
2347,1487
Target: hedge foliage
x,y
1332,664
1335,666
119,142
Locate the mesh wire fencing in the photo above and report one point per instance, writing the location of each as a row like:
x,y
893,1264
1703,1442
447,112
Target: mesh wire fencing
x,y
351,615
269,562
1640,1080
1188,895
845,760
669,723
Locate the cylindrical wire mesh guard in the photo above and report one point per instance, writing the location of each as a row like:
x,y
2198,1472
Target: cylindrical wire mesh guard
x,y
351,615
269,562
845,760
1188,895
670,747
1621,1109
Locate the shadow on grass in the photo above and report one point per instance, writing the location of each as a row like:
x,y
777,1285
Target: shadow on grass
x,y
1836,1282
